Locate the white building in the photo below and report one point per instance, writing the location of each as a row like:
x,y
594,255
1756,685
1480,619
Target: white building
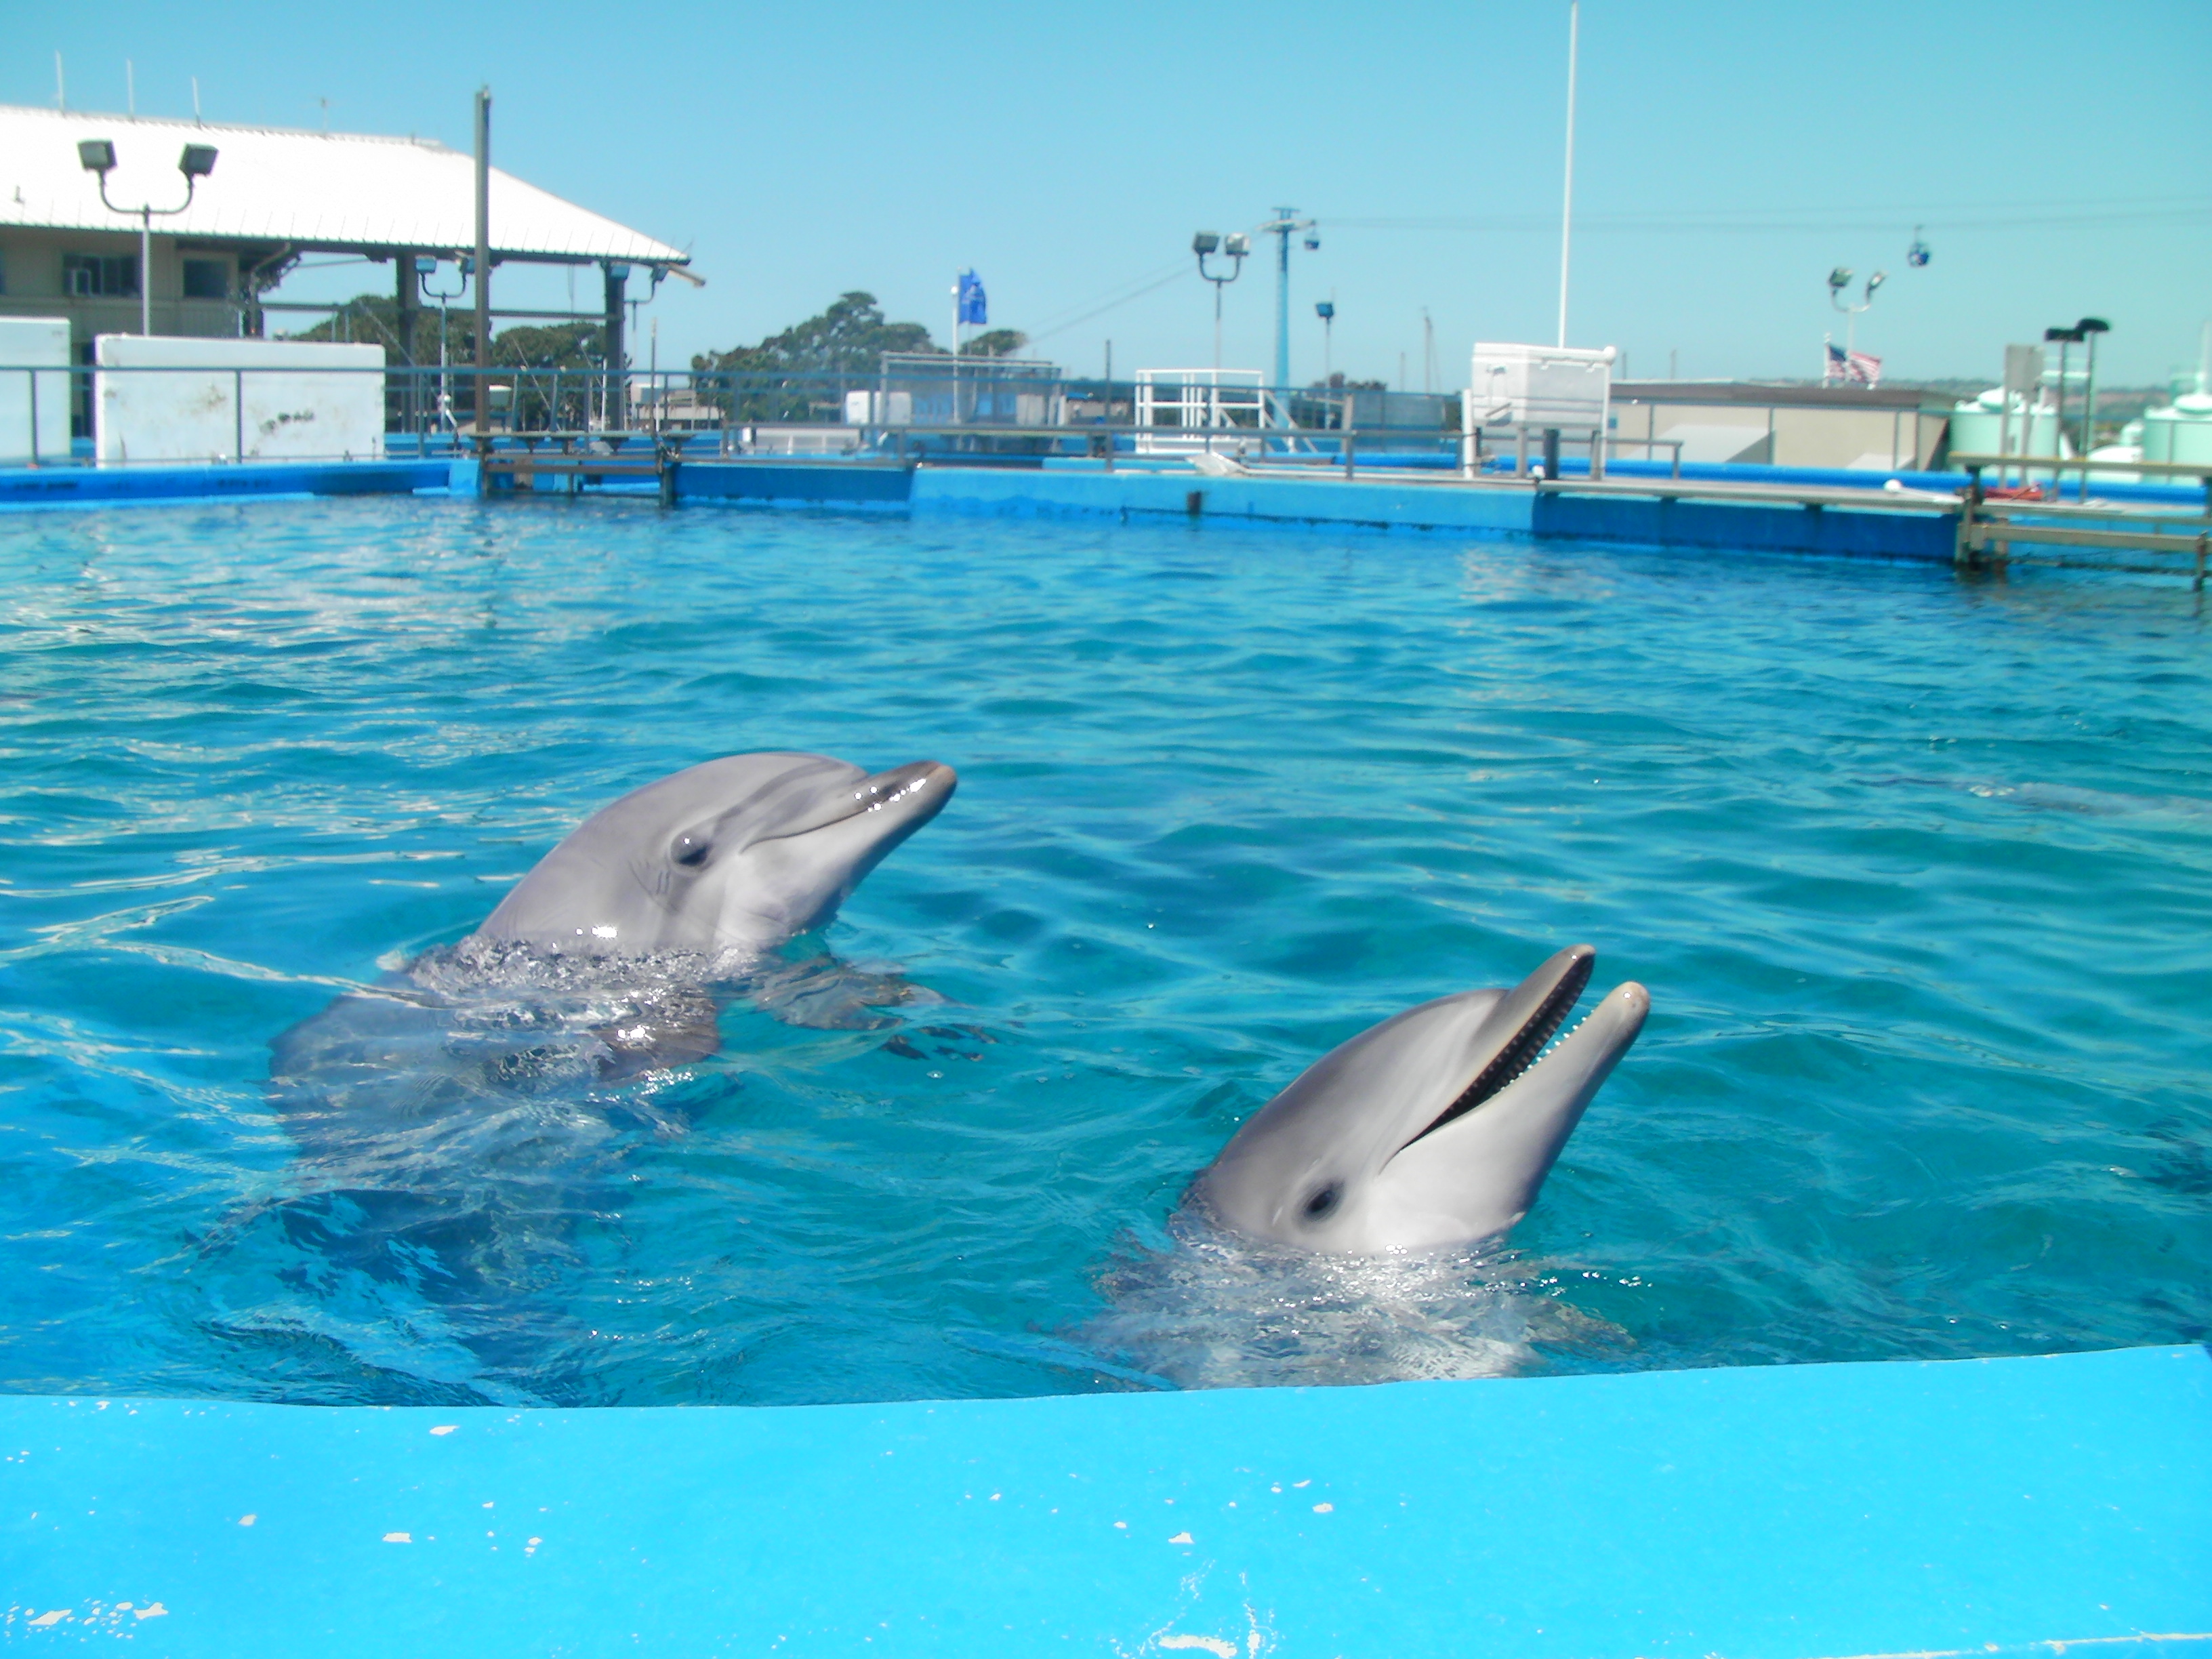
x,y
274,197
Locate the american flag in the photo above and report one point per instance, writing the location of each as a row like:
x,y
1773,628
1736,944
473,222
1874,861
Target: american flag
x,y
1851,367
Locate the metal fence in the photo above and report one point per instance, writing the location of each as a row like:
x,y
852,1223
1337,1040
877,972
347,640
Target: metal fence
x,y
911,405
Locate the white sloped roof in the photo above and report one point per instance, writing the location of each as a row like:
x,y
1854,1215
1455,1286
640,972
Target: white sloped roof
x,y
314,189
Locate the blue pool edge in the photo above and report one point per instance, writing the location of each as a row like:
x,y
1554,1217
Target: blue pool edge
x,y
1791,1512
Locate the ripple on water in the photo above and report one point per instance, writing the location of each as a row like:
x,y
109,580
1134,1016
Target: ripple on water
x,y
1918,872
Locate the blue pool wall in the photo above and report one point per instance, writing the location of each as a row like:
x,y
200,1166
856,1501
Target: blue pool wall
x,y
1957,1507
1048,488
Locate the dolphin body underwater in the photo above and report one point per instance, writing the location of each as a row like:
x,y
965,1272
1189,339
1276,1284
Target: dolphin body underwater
x,y
1433,1130
452,1124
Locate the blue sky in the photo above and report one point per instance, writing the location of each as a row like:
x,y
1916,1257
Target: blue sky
x,y
1729,153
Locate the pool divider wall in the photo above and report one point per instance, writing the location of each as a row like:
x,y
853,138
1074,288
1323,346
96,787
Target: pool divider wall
x,y
78,486
1486,510
1945,1511
1039,492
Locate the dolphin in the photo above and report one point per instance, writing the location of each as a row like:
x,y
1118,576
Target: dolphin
x,y
455,1122
1435,1128
737,854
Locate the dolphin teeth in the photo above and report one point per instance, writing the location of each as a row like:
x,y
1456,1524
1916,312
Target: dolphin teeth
x,y
1526,1048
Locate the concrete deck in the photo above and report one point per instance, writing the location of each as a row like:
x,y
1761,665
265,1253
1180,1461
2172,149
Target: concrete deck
x,y
1964,1509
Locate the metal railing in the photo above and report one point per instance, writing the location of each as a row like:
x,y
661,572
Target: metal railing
x,y
424,408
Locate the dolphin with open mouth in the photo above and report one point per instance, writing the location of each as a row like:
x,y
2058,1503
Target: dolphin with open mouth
x,y
1433,1130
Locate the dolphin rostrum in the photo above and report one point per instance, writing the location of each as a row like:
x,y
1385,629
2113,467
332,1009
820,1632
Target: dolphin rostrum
x,y
736,853
1433,1129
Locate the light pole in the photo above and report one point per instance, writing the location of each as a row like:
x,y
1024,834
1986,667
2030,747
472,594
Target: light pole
x,y
2088,329
425,268
98,155
1838,280
1326,310
1234,247
2063,338
1285,225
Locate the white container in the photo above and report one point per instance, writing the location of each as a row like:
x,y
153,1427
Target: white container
x,y
230,400
2181,432
1537,386
28,344
879,409
1979,427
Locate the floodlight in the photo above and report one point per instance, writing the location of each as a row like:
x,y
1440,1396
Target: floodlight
x,y
1237,245
1876,282
97,154
1840,278
1325,309
618,273
425,265
2093,325
1204,243
198,160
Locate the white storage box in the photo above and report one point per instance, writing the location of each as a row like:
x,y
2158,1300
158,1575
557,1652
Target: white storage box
x,y
1538,385
216,399
27,346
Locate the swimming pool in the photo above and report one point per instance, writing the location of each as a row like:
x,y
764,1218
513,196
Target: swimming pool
x,y
1919,873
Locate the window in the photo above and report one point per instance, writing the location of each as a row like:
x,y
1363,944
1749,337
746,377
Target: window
x,y
207,279
100,276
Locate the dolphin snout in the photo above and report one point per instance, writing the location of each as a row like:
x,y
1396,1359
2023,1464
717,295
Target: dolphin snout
x,y
923,783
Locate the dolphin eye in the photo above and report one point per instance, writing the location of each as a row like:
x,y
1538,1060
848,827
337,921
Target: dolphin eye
x,y
691,851
1323,1202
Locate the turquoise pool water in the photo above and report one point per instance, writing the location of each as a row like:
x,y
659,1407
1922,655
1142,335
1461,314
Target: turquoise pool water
x,y
1919,874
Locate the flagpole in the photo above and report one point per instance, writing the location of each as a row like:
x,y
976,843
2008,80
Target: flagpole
x,y
1567,205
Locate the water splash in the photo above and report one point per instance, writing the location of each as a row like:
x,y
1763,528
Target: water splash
x,y
1217,1311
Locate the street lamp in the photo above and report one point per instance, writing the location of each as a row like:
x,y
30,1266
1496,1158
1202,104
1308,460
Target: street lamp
x,y
2088,329
1233,247
98,155
426,267
2063,338
1326,310
1838,280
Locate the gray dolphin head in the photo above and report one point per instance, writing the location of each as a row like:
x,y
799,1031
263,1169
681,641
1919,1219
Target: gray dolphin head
x,y
736,853
1433,1129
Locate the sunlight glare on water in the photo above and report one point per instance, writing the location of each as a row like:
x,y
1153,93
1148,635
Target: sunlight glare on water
x,y
1919,871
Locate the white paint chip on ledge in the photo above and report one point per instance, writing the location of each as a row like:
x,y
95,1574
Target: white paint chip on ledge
x,y
1181,1538
399,1537
1323,1509
444,1428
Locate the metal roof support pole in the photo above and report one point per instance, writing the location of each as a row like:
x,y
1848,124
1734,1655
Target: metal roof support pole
x,y
483,270
1284,226
615,414
406,303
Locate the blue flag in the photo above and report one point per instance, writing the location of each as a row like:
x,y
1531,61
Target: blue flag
x,y
973,307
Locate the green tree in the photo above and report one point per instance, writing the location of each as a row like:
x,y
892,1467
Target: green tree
x,y
998,343
786,377
553,366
